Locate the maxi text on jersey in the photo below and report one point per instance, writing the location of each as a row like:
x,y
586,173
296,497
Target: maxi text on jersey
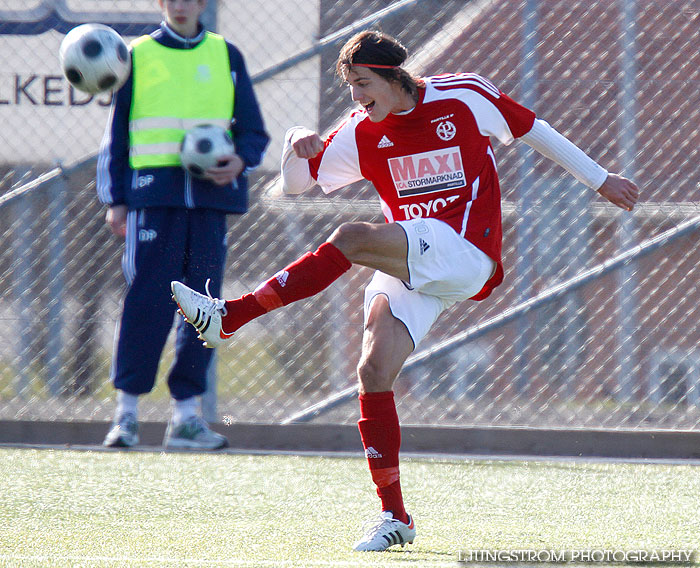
x,y
427,172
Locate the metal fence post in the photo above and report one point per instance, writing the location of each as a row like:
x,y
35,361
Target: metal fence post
x,y
525,260
57,269
627,280
208,400
23,283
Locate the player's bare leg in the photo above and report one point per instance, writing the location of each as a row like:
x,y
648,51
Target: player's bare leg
x,y
386,344
381,246
385,347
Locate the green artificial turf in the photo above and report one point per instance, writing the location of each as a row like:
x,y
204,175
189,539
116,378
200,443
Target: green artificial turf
x,y
139,509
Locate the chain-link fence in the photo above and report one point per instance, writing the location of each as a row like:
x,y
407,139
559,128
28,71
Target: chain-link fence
x,y
595,324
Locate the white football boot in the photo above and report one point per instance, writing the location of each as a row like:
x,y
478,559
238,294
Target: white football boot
x,y
203,312
193,434
386,531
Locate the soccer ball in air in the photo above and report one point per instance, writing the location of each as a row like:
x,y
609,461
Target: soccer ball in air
x,y
203,148
95,58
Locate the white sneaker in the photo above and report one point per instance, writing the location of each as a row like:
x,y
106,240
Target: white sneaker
x,y
203,312
386,531
193,434
124,432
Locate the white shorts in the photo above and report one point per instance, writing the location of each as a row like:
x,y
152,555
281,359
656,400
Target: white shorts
x,y
444,268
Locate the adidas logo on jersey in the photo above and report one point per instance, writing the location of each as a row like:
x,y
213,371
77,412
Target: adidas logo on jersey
x,y
372,453
385,142
423,246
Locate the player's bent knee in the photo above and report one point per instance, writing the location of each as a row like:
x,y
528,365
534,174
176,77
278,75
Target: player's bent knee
x,y
350,238
373,377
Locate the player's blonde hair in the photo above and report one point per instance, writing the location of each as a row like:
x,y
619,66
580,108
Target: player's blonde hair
x,y
380,53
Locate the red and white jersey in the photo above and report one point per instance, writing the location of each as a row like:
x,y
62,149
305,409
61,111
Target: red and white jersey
x,y
433,161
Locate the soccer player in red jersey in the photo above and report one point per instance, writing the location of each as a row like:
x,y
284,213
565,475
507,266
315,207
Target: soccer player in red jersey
x,y
425,145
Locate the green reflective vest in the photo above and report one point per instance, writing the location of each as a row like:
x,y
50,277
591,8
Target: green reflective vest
x,y
174,90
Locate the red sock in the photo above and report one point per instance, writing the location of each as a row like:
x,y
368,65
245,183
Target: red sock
x,y
305,277
381,437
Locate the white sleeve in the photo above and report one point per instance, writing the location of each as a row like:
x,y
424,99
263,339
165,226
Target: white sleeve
x,y
548,142
340,162
296,177
489,119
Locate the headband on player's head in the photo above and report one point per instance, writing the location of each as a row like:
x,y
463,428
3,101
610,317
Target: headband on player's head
x,y
374,66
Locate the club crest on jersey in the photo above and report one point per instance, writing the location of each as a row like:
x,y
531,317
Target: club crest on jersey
x,y
428,172
446,130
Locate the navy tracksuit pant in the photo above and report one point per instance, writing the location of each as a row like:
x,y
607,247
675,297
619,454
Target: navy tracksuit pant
x,y
165,244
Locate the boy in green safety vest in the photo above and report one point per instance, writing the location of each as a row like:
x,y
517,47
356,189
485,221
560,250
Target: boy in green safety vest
x,y
174,225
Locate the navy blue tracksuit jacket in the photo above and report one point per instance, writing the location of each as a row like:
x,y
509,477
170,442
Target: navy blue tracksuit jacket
x,y
176,230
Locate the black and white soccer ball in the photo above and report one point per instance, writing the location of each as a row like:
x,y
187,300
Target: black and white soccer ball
x,y
203,147
95,58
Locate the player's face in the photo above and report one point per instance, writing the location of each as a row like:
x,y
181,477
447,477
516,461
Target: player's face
x,y
182,15
377,96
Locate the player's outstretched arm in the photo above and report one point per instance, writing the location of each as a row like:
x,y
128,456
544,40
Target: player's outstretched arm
x,y
547,141
300,144
620,191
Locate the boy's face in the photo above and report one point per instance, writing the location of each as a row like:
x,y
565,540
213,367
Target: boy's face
x,y
375,94
182,15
